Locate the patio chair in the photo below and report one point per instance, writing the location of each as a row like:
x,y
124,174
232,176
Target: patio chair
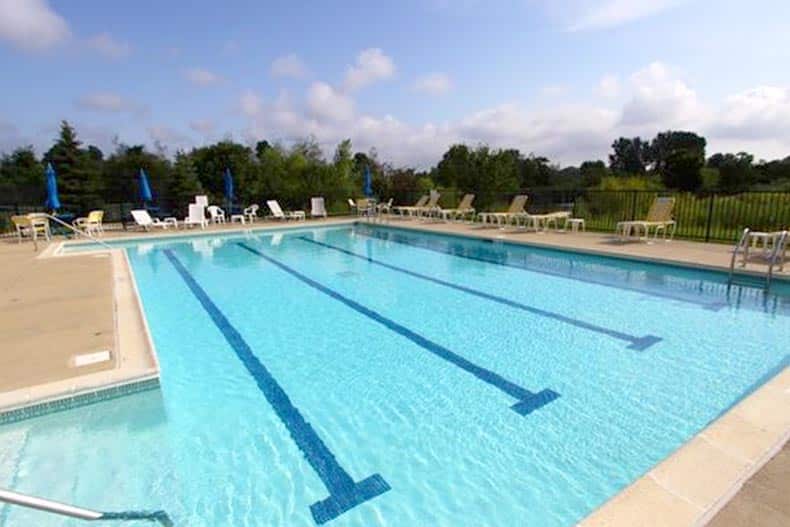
x,y
513,213
201,200
251,212
430,208
197,216
143,219
216,214
317,207
463,209
659,217
277,212
25,227
408,209
385,207
92,224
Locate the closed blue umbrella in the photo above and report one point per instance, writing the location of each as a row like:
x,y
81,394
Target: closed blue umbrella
x,y
145,188
53,200
227,178
368,188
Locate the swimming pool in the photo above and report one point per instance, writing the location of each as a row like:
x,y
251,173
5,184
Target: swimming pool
x,y
365,375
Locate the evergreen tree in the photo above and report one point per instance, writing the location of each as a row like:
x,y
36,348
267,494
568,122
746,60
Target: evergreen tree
x,y
184,184
79,173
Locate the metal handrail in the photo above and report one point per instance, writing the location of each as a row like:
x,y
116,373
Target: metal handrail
x,y
777,253
63,509
77,231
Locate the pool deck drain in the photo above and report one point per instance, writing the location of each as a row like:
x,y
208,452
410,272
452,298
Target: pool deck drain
x,y
688,488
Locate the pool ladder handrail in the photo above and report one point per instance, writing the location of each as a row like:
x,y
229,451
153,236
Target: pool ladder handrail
x,y
78,231
72,511
777,255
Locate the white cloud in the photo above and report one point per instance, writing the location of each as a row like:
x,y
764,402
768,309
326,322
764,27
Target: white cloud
x,y
289,66
554,90
32,25
608,86
327,104
250,104
203,126
202,77
372,65
107,102
433,84
106,45
605,14
660,99
760,113
168,136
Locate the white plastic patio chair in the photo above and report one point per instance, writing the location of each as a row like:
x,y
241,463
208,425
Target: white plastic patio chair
x,y
144,220
278,213
201,200
216,214
197,216
251,212
317,207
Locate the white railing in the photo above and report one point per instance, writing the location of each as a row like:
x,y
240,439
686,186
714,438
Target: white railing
x,y
77,231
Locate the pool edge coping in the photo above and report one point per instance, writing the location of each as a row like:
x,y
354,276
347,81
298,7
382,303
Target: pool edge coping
x,y
128,321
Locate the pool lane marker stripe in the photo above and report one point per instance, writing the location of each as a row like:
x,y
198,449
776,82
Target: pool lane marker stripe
x,y
636,343
402,239
344,492
527,400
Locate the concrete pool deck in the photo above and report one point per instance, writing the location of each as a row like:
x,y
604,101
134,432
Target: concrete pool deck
x,y
687,488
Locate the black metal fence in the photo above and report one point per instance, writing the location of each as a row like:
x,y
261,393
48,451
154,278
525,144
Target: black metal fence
x,y
708,217
714,217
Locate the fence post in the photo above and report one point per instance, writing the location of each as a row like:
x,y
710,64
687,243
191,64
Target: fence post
x,y
633,205
709,222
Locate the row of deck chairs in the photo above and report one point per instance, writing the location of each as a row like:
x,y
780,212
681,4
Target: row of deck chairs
x,y
659,218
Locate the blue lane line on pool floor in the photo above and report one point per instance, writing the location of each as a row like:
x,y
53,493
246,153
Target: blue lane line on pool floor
x,y
636,343
344,492
443,249
527,400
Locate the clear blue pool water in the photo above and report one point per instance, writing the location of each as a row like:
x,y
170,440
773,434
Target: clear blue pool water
x,y
370,376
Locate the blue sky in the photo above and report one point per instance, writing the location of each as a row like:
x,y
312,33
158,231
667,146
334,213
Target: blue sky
x,y
561,79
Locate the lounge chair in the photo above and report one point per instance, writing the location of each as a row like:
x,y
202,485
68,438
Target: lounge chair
x,y
513,213
364,207
659,217
144,220
216,214
385,207
409,209
317,208
278,213
431,207
251,212
201,200
541,222
197,216
463,209
92,224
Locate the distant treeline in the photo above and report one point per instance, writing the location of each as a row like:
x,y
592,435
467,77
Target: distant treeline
x,y
88,178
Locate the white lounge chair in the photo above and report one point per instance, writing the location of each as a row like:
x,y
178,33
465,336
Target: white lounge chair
x,y
201,200
659,217
385,207
144,220
463,209
251,212
216,214
513,213
409,209
278,213
317,207
197,216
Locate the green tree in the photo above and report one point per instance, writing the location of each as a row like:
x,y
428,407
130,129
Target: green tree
x,y
593,172
736,171
79,175
628,156
184,184
22,177
678,157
